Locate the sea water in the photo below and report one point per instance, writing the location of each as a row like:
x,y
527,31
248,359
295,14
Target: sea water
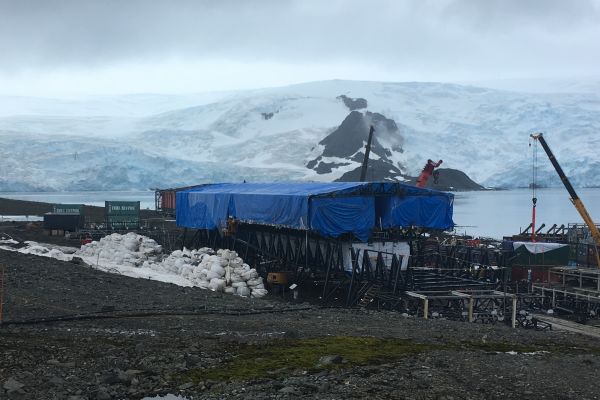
x,y
483,213
505,212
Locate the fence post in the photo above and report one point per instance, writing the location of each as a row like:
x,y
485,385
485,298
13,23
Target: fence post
x,y
514,311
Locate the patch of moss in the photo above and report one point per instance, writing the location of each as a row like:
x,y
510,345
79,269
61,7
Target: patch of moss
x,y
282,357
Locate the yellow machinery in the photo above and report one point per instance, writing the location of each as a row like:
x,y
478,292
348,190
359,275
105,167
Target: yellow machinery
x,y
574,197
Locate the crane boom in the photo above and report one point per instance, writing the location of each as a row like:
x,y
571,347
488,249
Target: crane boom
x,y
363,170
574,197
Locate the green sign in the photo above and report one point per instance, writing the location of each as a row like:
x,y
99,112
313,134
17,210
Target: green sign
x,y
122,208
122,214
67,209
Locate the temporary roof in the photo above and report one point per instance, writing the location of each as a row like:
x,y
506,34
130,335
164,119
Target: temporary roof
x,y
331,209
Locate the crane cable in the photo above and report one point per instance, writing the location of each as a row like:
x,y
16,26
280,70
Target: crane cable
x,y
534,167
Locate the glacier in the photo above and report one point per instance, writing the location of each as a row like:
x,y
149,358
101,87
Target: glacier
x,y
134,142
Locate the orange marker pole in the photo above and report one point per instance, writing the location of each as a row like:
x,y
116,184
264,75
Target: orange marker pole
x,y
533,220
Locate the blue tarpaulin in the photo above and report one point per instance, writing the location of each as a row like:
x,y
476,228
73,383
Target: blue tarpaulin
x,y
331,209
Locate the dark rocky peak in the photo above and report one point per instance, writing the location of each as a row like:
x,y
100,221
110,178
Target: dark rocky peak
x,y
381,123
350,137
345,146
353,104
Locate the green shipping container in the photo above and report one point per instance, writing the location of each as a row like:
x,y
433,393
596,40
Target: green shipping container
x,y
122,214
67,209
122,208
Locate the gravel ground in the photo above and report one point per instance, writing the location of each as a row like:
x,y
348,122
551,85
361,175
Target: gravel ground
x,y
118,337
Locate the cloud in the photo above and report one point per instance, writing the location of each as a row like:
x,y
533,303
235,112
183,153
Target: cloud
x,y
548,16
435,39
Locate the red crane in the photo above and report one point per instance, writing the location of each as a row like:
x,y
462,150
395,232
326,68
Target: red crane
x,y
427,172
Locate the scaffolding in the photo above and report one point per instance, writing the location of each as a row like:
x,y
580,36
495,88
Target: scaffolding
x,y
572,291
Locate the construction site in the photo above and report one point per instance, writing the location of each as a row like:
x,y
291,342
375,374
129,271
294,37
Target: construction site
x,y
386,246
370,294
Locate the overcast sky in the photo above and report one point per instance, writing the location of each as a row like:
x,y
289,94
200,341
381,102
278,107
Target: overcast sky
x,y
72,47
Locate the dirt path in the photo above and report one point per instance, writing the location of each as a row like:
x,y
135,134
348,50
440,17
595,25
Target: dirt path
x,y
569,326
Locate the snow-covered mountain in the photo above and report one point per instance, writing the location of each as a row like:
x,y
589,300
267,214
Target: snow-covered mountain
x,y
142,141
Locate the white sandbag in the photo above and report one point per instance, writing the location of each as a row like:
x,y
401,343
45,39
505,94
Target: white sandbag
x,y
210,275
179,262
254,282
251,274
131,244
228,254
202,284
186,271
216,284
259,293
177,253
221,270
217,269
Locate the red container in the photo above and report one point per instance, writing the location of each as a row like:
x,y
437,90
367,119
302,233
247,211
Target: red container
x,y
168,200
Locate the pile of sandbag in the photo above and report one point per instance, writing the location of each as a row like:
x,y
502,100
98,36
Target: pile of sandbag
x,y
130,249
221,271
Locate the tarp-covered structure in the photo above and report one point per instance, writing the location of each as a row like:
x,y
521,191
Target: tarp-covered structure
x,y
330,209
540,253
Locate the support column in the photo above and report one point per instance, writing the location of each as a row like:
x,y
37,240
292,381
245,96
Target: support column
x,y
471,301
514,311
426,308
